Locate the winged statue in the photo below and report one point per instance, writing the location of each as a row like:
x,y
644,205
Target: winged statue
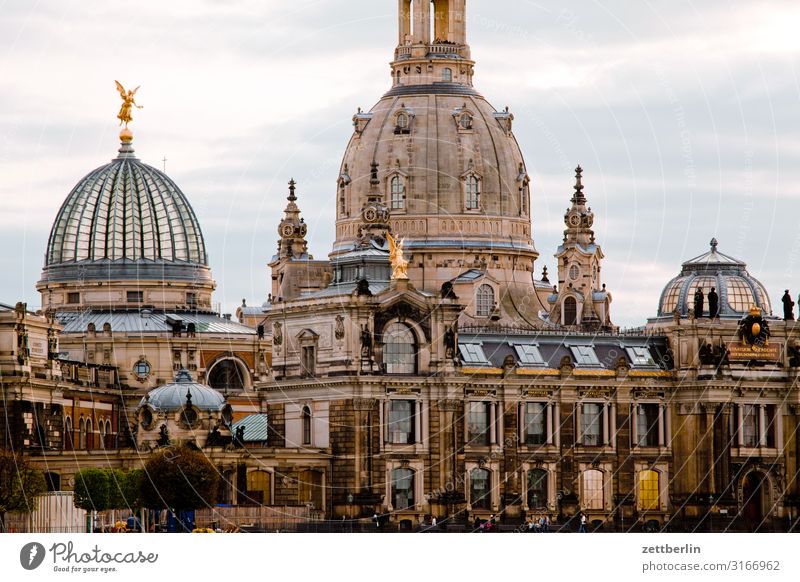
x,y
399,262
128,102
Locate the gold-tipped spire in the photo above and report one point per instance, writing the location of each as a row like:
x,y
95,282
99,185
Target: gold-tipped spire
x,y
125,112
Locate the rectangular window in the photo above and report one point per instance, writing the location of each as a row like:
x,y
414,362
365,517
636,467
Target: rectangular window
x,y
535,423
191,299
135,296
478,423
309,360
73,298
585,356
529,355
592,424
750,424
472,354
647,425
769,429
401,421
641,357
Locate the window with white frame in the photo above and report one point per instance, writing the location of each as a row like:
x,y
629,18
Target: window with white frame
x,y
592,489
640,356
478,423
485,301
480,489
472,189
529,355
473,354
757,425
396,193
306,425
401,421
592,424
309,360
399,349
402,489
447,75
585,355
535,423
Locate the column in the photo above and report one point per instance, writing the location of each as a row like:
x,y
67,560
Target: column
x,y
668,415
634,416
501,423
549,427
762,425
418,422
521,423
492,423
606,426
557,413
614,425
661,433
778,427
385,420
426,427
740,421
578,428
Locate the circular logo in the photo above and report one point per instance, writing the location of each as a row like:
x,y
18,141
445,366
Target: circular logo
x,y
31,555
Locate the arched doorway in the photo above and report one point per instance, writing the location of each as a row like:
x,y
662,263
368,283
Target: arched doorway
x,y
227,375
755,499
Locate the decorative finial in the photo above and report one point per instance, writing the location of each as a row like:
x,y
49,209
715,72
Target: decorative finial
x,y
188,398
373,180
578,179
125,112
714,244
544,275
292,187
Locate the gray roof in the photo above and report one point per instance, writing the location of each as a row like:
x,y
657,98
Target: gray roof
x,y
126,211
344,289
149,321
172,396
468,276
256,428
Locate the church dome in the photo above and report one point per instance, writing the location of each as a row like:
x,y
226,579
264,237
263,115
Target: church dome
x,y
738,291
127,221
173,396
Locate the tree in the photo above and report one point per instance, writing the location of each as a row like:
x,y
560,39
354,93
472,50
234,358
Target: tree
x,y
179,478
19,485
92,491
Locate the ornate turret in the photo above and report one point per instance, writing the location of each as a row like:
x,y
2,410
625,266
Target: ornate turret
x,y
292,229
582,300
374,214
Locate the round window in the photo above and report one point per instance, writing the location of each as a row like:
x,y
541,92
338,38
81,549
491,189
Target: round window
x,y
574,272
189,417
142,369
146,418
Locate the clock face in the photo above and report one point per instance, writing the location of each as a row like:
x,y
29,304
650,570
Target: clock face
x,y
370,214
574,220
287,230
303,229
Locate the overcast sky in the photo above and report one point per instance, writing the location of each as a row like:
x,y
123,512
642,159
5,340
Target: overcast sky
x,y
684,115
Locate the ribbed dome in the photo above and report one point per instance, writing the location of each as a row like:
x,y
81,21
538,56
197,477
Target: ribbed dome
x,y
738,291
126,214
173,396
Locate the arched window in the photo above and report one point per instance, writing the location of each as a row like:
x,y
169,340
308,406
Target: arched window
x,y
82,434
537,488
102,427
396,193
485,301
89,435
402,489
480,489
447,75
472,193
465,121
570,311
592,489
109,436
68,436
226,375
306,425
399,349
402,121
258,488
648,491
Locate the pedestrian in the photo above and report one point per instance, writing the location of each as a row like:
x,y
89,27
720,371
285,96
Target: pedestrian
x,y
433,521
541,524
582,528
546,523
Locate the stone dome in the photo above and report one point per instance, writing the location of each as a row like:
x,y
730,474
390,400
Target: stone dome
x,y
738,291
172,396
127,221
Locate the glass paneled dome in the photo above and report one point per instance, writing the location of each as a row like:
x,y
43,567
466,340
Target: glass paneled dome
x,y
738,291
126,220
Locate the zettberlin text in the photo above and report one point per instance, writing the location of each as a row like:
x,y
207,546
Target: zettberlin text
x,y
665,549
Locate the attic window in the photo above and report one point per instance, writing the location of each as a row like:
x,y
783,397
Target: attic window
x,y
640,356
472,354
528,355
465,121
585,356
402,121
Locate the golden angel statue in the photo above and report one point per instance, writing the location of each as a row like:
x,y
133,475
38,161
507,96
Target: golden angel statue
x,y
128,102
399,262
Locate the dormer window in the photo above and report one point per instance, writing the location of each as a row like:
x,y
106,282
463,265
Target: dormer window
x,y
465,121
403,120
485,301
472,193
447,75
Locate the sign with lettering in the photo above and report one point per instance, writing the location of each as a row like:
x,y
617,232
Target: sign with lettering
x,y
737,352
